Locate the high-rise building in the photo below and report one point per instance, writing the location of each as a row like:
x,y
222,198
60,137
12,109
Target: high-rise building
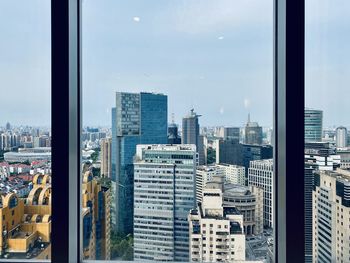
x,y
8,126
319,156
173,134
138,118
163,196
253,133
260,174
190,134
216,231
313,125
341,137
331,216
26,223
96,219
106,164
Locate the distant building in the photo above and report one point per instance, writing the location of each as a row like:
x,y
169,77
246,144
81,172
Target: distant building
x,y
229,133
190,134
26,224
313,125
215,231
164,193
26,156
344,158
106,162
138,118
229,151
96,219
341,137
260,174
253,133
173,134
331,216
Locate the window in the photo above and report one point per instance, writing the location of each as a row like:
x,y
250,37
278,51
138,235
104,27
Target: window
x,y
160,87
326,128
25,130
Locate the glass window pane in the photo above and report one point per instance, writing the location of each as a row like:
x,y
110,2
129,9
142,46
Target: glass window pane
x,y
177,130
25,130
327,152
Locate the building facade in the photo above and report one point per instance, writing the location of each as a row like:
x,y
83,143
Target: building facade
x,y
164,194
260,174
138,118
331,216
313,125
215,230
173,134
96,219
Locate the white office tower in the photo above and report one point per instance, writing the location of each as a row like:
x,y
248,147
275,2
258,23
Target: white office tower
x,y
331,216
341,137
233,174
164,193
216,232
260,174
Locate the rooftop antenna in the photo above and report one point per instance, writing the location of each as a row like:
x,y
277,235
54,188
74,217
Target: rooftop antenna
x,y
173,118
249,117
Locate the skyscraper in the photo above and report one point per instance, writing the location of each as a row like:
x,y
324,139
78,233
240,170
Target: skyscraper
x,y
313,125
253,133
190,134
163,196
106,149
229,151
341,137
138,118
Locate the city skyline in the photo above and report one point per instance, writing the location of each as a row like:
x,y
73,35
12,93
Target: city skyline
x,y
222,36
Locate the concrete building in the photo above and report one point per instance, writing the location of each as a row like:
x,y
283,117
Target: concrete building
x,y
164,193
331,216
138,118
313,125
260,174
215,230
341,137
233,174
248,200
228,133
344,154
96,219
253,133
26,156
26,223
190,134
106,162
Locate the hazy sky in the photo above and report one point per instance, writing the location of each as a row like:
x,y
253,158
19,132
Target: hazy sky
x,y
215,56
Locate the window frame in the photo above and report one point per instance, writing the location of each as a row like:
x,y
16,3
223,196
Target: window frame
x,y
289,42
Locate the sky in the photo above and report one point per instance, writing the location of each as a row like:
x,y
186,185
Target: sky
x,y
215,56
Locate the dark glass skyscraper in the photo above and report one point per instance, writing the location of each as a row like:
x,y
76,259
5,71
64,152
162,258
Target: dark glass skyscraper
x,y
190,134
138,118
253,133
